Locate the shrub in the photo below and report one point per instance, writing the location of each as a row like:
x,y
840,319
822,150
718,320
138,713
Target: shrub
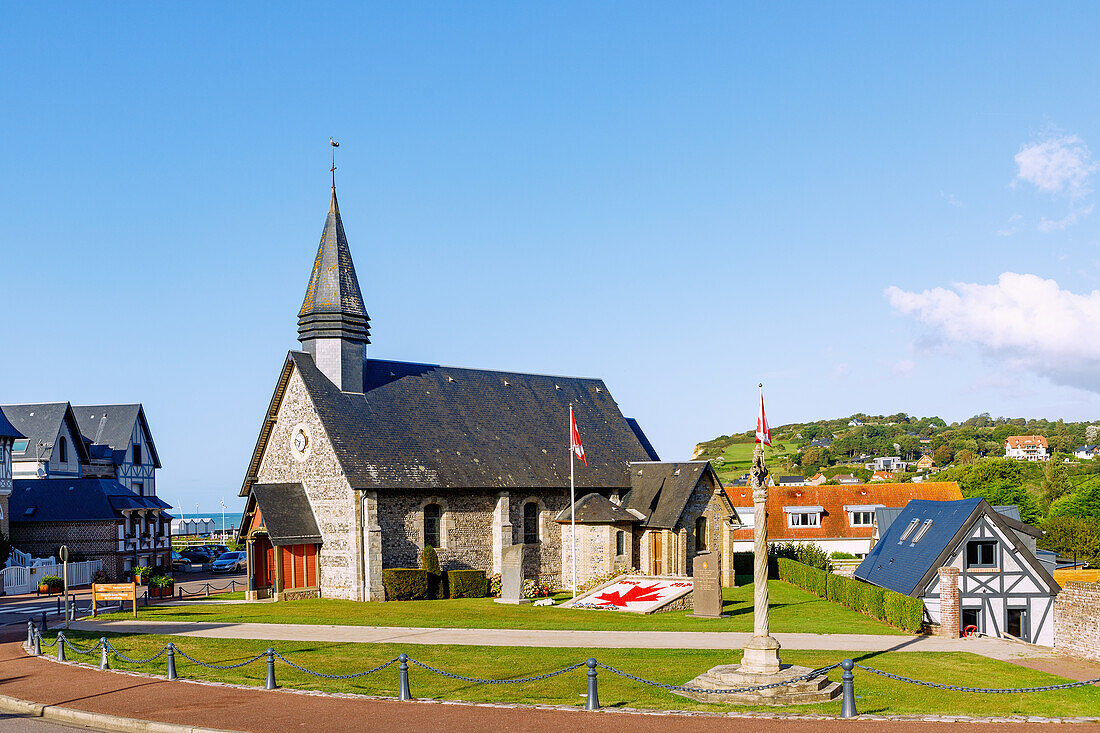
x,y
904,612
405,584
873,601
494,585
838,555
53,581
100,577
141,571
429,561
536,589
467,583
161,581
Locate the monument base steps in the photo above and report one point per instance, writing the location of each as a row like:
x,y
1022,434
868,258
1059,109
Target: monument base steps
x,y
730,676
513,601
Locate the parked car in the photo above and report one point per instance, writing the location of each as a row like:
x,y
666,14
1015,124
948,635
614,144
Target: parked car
x,y
217,550
198,555
229,562
179,562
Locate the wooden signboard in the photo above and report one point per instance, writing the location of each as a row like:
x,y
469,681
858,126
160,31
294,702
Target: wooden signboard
x,y
114,592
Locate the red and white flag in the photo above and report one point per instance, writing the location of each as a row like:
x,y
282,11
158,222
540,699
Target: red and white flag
x,y
575,438
763,432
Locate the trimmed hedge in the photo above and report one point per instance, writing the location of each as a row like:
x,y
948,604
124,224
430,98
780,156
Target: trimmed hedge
x,y
886,605
468,583
405,584
429,561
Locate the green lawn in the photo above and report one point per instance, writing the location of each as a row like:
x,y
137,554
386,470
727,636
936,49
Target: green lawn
x,y
792,610
673,666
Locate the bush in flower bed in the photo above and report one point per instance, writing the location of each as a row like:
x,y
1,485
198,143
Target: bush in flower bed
x,y
537,589
52,582
161,586
405,584
494,585
467,583
885,605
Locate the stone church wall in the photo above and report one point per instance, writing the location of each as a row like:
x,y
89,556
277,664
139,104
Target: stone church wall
x,y
327,488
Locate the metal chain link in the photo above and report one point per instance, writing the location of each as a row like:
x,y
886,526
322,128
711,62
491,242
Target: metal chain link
x,y
185,655
536,678
682,688
300,668
125,658
78,650
988,690
41,639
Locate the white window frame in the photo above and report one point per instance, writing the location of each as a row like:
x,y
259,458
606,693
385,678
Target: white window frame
x,y
813,519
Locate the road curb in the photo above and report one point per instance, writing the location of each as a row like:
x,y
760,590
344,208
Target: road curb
x,y
102,721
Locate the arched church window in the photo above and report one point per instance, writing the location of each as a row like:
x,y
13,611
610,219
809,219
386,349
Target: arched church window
x,y
700,534
531,523
62,450
433,519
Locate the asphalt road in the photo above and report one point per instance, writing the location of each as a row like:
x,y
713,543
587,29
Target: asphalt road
x,y
18,724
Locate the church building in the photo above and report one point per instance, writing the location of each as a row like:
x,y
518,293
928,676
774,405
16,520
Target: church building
x,y
362,462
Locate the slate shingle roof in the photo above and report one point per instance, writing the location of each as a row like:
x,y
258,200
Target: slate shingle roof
x,y
660,491
596,509
7,430
42,422
425,426
287,515
75,500
112,427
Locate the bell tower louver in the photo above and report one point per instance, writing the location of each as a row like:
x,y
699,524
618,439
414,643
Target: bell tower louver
x,y
333,325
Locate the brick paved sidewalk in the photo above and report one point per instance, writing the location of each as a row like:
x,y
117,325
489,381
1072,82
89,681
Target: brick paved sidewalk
x,y
222,706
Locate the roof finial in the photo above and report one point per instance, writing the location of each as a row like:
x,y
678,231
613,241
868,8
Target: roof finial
x,y
334,145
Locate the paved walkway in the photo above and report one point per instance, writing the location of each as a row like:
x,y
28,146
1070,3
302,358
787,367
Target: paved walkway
x,y
261,711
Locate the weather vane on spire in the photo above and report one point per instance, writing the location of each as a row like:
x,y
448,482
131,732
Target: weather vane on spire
x,y
334,145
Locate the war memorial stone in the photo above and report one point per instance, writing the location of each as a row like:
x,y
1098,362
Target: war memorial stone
x,y
511,575
707,593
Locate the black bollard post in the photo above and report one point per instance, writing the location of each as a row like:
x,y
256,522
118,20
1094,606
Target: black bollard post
x,y
180,592
848,701
37,646
30,633
60,646
403,675
103,661
270,684
44,622
59,605
593,701
171,661
207,590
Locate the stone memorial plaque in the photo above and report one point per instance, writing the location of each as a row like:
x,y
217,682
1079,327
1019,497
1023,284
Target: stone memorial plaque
x,y
708,585
511,575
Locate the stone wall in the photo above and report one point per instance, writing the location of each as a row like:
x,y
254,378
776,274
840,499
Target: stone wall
x,y
1077,620
330,495
949,603
595,552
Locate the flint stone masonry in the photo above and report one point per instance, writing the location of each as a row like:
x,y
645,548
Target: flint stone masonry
x,y
1077,620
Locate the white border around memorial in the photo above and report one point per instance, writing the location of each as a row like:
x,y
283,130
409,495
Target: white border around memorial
x,y
633,594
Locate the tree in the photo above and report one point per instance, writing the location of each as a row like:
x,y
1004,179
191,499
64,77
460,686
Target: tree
x,y
965,456
1055,481
814,458
943,455
1085,502
429,562
1076,537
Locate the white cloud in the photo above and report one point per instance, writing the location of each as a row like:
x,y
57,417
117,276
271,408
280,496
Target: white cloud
x,y
1024,321
1056,164
952,200
1011,228
903,368
1057,225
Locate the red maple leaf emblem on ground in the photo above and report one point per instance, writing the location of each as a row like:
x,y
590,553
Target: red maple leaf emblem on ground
x,y
636,594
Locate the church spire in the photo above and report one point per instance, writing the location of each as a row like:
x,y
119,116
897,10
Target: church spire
x,y
333,324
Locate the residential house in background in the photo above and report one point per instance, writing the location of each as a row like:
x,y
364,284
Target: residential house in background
x,y
1086,452
886,463
821,443
8,436
926,463
846,478
88,483
855,423
837,518
971,565
882,476
1026,448
817,479
792,481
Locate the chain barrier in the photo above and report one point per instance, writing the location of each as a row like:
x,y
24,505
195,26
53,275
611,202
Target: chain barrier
x,y
987,690
185,655
43,642
754,688
125,658
535,678
78,650
300,668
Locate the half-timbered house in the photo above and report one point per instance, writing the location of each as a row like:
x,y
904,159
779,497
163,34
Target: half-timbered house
x,y
971,565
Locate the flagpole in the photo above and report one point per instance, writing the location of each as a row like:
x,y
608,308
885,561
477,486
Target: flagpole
x,y
572,502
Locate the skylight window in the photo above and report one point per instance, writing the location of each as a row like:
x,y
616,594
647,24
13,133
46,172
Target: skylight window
x,y
923,530
20,446
29,511
909,530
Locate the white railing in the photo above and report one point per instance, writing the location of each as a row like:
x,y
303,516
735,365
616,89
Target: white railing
x,y
25,579
845,567
18,558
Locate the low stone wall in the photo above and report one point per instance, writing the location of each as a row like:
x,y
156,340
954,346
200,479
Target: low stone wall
x,y
1077,620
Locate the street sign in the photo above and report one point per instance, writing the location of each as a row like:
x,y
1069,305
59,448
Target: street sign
x,y
114,592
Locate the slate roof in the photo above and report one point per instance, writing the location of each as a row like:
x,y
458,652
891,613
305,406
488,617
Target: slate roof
x,y
885,516
426,426
7,430
782,480
333,306
75,500
288,517
660,491
907,567
112,427
833,499
597,509
41,421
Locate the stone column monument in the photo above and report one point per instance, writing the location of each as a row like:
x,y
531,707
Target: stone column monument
x,y
762,651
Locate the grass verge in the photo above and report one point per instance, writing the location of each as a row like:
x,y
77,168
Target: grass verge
x,y
875,694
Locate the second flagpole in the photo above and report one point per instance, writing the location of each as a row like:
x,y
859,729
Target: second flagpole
x,y
572,502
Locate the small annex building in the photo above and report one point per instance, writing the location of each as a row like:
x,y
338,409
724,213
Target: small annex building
x,y
837,518
971,565
360,463
671,513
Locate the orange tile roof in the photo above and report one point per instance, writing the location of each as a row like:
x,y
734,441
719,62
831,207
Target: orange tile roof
x,y
833,499
1021,441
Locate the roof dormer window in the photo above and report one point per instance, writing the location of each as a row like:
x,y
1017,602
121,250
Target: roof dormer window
x,y
922,531
909,530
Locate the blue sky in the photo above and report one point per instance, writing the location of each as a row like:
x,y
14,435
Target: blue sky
x,y
682,200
